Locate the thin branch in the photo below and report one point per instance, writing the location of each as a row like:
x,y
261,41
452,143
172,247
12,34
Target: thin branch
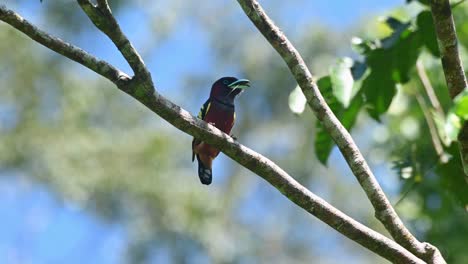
x,y
383,208
426,83
66,49
432,127
260,165
451,63
429,88
457,3
102,18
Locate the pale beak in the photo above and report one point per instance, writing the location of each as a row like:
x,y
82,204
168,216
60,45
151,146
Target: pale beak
x,y
240,84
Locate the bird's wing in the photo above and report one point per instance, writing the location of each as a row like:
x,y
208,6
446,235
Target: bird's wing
x,y
204,109
202,114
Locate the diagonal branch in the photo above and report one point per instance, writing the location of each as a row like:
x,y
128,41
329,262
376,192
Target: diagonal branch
x,y
383,209
68,50
436,142
102,18
144,92
451,63
429,88
426,83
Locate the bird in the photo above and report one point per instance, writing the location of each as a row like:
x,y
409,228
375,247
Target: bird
x,y
218,110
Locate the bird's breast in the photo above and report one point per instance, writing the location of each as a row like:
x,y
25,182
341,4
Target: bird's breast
x,y
221,117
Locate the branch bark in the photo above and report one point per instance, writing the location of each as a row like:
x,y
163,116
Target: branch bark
x,y
102,18
451,63
430,92
383,209
61,47
143,90
436,142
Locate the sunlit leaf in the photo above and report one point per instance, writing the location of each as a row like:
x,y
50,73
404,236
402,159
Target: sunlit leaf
x,y
460,107
452,126
342,81
297,101
362,46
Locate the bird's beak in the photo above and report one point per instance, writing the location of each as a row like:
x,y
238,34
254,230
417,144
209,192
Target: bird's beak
x,y
240,84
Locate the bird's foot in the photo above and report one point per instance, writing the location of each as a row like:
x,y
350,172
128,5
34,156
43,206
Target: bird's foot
x,y
234,137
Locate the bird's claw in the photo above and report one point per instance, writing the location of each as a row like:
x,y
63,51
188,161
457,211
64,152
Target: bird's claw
x,y
234,137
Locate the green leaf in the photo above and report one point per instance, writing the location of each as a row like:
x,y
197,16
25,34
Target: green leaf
x,y
426,29
297,101
379,87
342,81
460,107
390,65
323,142
379,90
358,70
361,46
450,184
394,23
398,32
452,126
405,55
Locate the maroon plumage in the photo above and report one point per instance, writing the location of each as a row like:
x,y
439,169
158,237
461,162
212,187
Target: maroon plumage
x,y
219,111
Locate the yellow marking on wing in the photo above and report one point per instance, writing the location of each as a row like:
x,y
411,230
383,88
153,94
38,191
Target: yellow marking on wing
x,y
203,110
207,108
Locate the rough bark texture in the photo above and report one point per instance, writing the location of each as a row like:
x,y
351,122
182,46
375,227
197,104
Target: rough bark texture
x,y
383,209
451,63
142,89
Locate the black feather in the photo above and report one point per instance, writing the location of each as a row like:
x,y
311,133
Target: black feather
x,y
204,173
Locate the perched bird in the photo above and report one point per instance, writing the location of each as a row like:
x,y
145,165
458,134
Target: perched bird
x,y
219,111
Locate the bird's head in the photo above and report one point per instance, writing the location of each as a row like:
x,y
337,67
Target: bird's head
x,y
227,88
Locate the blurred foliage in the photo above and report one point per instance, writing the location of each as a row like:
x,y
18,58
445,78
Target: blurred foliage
x,y
67,128
435,182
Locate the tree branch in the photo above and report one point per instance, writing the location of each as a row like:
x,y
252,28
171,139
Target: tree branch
x,y
102,18
143,91
451,63
448,45
68,50
428,88
383,209
436,142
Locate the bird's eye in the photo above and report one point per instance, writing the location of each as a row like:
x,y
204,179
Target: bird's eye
x,y
226,82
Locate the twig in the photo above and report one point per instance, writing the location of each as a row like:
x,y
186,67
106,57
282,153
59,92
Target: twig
x,y
66,49
429,88
383,208
248,158
432,127
457,3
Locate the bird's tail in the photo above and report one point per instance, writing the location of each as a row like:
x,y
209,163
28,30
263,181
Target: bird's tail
x,y
204,173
